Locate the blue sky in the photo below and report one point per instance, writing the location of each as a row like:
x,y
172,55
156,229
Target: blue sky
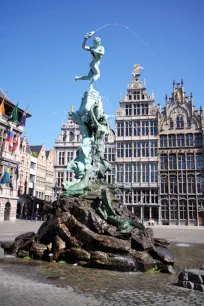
x,y
40,53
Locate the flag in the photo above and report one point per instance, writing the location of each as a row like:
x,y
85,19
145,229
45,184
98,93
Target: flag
x,y
14,114
22,120
6,177
15,146
2,108
10,140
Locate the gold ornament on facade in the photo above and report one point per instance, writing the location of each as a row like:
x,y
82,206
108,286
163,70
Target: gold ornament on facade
x,y
136,69
71,108
179,95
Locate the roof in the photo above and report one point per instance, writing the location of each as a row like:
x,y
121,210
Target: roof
x,y
36,149
9,106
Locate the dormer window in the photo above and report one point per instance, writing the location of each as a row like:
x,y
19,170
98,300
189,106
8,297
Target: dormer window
x,y
179,122
64,137
71,137
189,123
171,124
130,97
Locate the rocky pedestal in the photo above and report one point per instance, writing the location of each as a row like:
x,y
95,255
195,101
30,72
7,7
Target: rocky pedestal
x,y
192,279
76,233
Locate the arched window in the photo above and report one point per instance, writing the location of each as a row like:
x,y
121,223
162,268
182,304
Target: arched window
x,y
199,161
172,161
165,210
174,210
171,124
179,122
164,162
173,184
192,210
64,137
181,161
163,141
191,184
183,210
172,140
164,184
182,184
71,137
189,123
200,184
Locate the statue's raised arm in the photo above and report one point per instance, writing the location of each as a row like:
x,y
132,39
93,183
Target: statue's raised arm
x,y
97,51
86,37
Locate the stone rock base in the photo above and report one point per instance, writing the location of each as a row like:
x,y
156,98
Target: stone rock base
x,y
192,279
76,233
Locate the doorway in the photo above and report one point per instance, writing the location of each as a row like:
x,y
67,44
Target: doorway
x,y
7,212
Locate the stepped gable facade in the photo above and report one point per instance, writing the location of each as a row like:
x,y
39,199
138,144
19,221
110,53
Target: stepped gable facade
x,y
181,160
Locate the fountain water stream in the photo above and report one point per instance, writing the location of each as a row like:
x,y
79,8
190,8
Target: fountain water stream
x,y
127,28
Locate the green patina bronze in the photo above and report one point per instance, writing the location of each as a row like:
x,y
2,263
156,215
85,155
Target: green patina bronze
x,y
90,163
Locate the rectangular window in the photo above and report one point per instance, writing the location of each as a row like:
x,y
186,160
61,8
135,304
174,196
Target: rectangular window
x,y
128,128
136,109
172,141
181,161
128,173
137,149
120,150
145,149
153,148
145,173
60,178
190,161
128,149
153,128
180,140
164,162
70,156
128,109
120,129
172,161
136,128
145,109
137,174
136,196
120,173
189,140
154,197
199,161
61,158
154,173
145,128
163,141
198,140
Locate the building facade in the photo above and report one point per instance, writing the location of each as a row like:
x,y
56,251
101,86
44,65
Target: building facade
x,y
33,176
49,175
157,156
66,146
44,172
181,160
40,153
24,167
9,156
136,142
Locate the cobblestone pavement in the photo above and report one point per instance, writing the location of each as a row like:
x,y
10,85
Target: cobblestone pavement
x,y
194,234
26,282
9,230
180,234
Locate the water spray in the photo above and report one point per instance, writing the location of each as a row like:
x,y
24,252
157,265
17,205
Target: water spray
x,y
125,27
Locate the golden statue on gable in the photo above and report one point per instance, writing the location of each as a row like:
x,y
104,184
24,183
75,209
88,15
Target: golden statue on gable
x,y
136,69
179,95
